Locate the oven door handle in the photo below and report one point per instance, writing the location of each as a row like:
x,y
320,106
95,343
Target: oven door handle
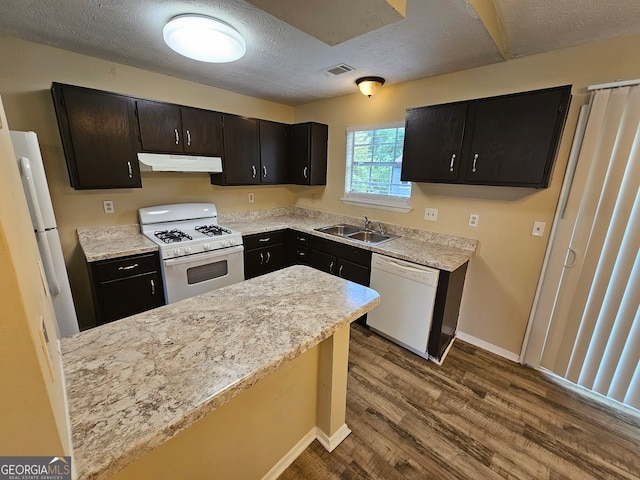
x,y
203,257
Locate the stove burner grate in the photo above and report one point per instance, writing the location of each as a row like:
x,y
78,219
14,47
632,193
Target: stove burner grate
x,y
172,236
212,230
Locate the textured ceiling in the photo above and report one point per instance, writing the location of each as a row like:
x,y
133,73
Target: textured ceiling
x,y
286,65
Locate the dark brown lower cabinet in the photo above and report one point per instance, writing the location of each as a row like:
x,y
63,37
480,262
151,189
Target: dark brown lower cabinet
x,y
446,310
264,253
126,286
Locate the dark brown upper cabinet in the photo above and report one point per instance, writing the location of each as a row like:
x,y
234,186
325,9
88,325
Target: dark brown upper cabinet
x,y
433,142
168,128
275,148
241,157
98,132
309,153
510,140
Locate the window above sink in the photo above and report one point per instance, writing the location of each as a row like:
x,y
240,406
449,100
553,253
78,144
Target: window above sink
x,y
373,165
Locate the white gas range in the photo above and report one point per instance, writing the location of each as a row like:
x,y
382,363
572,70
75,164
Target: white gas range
x,y
197,254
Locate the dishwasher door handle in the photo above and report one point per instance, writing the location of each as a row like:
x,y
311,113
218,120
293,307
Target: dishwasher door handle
x,y
408,268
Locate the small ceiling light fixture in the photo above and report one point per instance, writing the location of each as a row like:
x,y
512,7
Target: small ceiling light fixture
x,y
204,38
369,85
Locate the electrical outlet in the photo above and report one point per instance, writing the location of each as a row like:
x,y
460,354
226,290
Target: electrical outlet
x,y
474,218
251,198
538,229
431,214
108,207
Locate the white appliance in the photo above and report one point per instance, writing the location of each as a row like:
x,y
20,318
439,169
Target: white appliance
x,y
407,296
34,182
197,255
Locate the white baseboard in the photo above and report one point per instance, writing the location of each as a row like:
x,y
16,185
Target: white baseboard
x,y
514,357
329,443
291,455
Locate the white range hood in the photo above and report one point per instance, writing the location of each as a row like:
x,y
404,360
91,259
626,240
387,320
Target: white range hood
x,y
156,162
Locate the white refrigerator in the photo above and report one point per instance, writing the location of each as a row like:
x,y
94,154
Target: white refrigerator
x,y
34,183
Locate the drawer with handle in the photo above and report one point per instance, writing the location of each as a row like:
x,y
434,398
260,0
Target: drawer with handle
x,y
260,240
126,267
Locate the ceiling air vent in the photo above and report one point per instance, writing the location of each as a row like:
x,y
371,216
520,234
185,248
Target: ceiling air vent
x,y
340,69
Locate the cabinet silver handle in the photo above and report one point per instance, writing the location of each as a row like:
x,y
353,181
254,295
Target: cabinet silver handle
x,y
301,254
304,172
331,268
177,136
340,270
453,161
265,239
475,159
268,257
188,138
130,170
302,239
253,171
264,171
261,258
153,288
128,267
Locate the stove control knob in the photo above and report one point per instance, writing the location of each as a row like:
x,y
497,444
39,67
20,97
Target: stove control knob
x,y
207,246
224,243
187,250
176,251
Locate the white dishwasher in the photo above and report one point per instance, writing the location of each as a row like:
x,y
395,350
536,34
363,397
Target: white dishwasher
x,y
407,295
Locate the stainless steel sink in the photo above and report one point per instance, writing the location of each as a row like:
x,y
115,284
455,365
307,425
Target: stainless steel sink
x,y
342,230
356,233
370,237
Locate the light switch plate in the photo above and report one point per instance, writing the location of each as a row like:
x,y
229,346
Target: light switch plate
x,y
252,198
538,229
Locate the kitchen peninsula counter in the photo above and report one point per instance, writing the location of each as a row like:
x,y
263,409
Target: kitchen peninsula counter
x,y
135,383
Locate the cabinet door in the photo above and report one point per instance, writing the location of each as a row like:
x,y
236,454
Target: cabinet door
x,y
351,271
274,152
323,261
263,260
241,155
201,131
99,137
433,143
160,127
128,296
309,153
515,137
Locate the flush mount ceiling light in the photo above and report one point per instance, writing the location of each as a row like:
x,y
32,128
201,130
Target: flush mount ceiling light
x,y
203,38
369,85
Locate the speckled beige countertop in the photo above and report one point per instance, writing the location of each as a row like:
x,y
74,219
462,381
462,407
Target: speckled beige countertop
x,y
436,250
102,243
134,383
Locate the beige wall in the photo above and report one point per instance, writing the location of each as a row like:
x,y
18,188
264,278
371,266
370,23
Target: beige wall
x,y
502,277
243,438
32,404
27,72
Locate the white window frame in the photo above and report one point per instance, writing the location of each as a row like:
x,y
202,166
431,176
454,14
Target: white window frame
x,y
371,200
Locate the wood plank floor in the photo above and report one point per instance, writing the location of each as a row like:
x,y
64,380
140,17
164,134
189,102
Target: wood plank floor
x,y
477,416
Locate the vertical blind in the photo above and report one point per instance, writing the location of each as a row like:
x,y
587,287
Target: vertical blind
x,y
595,327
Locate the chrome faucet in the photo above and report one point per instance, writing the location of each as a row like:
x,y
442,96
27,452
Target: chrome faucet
x,y
380,227
367,223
